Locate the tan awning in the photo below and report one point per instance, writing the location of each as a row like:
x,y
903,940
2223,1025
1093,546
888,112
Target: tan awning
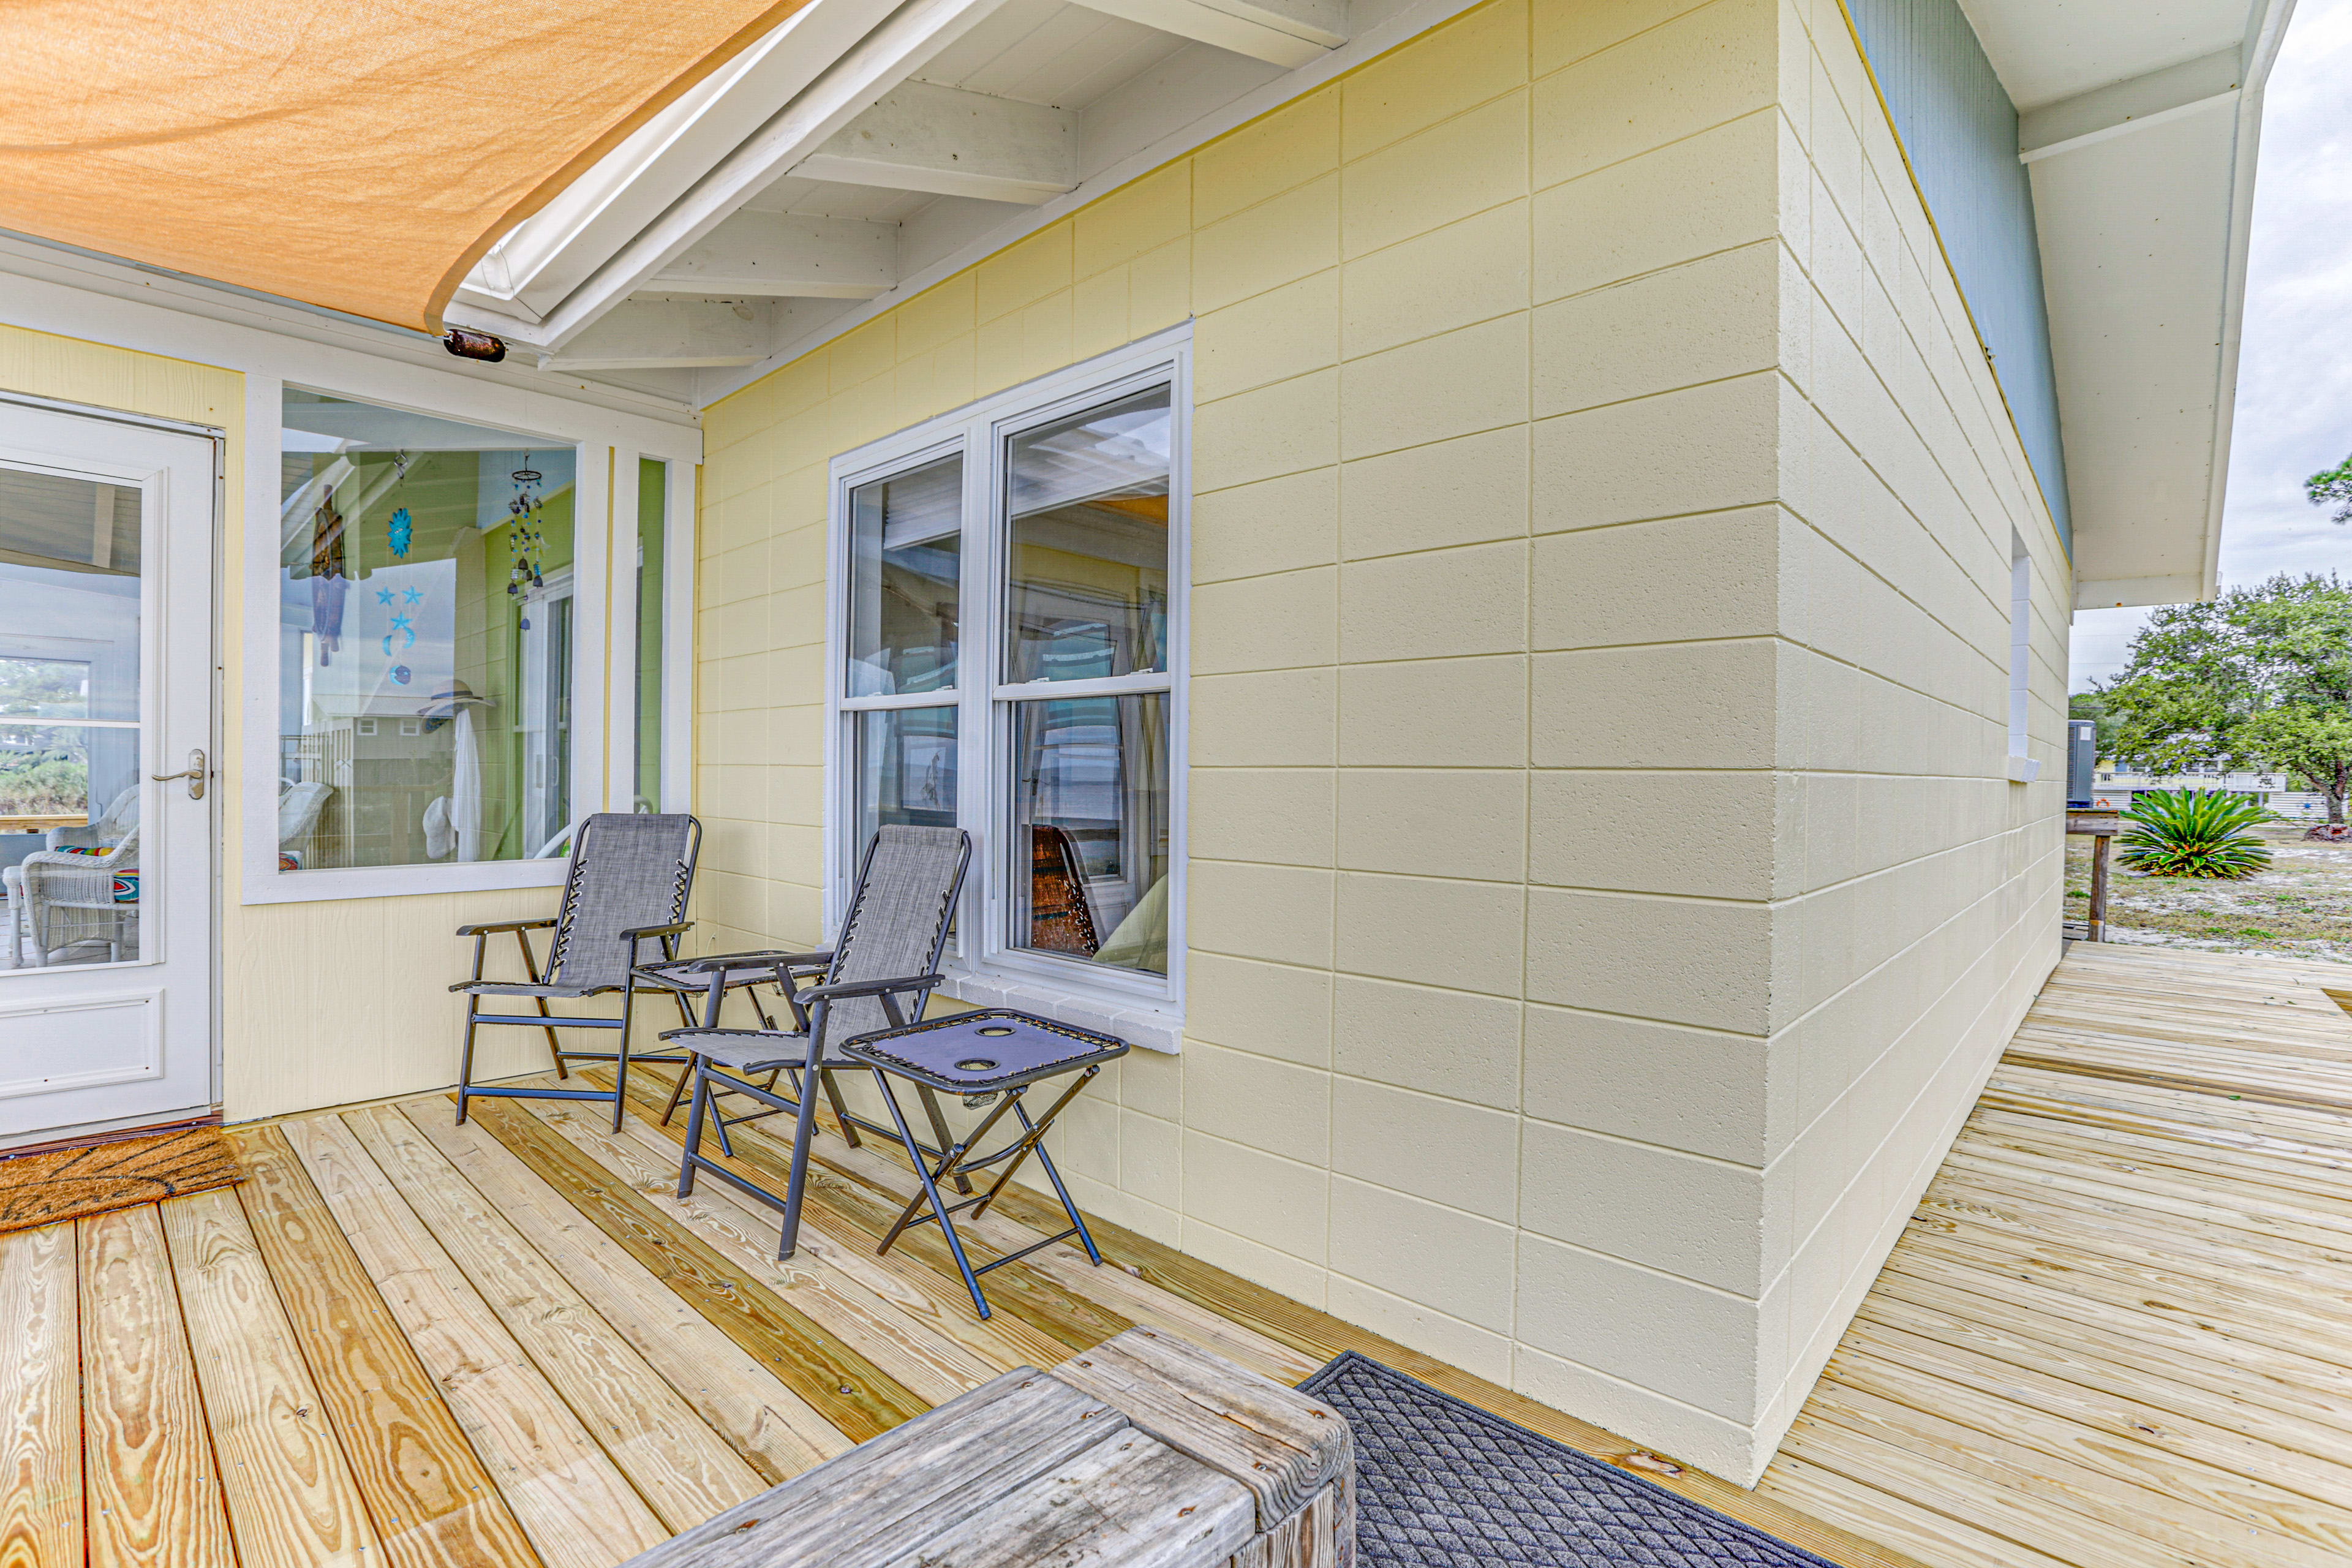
x,y
356,155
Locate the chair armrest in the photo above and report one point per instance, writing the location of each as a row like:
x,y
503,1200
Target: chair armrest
x,y
486,928
750,961
870,987
674,928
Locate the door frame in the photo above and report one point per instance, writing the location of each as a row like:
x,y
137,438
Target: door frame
x,y
215,685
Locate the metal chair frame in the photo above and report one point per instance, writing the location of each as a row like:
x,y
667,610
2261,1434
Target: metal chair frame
x,y
637,975
811,1011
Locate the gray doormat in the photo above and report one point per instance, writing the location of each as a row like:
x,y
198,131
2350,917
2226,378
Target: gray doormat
x,y
1444,1484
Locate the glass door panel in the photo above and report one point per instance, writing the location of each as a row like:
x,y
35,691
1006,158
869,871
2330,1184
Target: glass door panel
x,y
71,754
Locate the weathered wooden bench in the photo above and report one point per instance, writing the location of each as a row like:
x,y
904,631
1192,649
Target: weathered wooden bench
x,y
1144,1452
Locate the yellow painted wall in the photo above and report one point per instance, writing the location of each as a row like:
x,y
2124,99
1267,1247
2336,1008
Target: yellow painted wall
x,y
1605,893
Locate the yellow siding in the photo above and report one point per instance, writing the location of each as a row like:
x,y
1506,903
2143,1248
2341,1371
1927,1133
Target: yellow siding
x,y
1605,891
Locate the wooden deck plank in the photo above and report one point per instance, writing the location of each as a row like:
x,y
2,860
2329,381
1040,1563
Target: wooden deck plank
x,y
2040,1500
1275,1334
686,1472
899,1313
40,1400
578,1508
155,1496
842,1385
859,1214
432,1501
2308,1420
774,1429
291,1499
2219,1470
2120,1316
1862,1494
1110,1291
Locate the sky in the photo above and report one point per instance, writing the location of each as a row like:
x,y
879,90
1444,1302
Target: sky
x,y
2294,367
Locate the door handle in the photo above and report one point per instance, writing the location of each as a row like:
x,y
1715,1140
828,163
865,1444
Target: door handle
x,y
195,776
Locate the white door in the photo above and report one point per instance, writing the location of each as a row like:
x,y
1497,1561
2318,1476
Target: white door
x,y
106,680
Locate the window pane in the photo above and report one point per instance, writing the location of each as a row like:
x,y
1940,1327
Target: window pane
x,y
906,771
1090,829
69,842
426,629
653,534
1087,503
69,649
905,547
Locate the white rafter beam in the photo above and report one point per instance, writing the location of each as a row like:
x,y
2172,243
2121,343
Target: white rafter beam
x,y
1287,33
671,334
784,255
949,142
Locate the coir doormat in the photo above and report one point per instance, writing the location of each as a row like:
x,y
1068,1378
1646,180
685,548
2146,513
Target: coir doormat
x,y
66,1183
1444,1484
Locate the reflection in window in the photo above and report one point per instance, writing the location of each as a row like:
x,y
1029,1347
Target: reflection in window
x,y
69,743
425,623
1091,828
906,769
1087,503
905,549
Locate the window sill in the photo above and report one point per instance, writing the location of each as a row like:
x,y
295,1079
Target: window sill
x,y
2024,770
271,886
1146,1028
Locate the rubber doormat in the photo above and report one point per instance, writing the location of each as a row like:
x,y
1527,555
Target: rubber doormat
x,y
1444,1484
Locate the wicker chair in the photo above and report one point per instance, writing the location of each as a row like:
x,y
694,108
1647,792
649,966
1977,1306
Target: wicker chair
x,y
63,906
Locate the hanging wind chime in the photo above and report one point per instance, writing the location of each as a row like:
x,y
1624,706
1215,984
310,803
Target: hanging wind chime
x,y
523,538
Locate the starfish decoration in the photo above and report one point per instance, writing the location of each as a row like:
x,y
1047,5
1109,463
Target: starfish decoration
x,y
384,595
416,595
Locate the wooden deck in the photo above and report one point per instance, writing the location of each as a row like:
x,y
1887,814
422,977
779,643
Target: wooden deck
x,y
2119,1333
401,1341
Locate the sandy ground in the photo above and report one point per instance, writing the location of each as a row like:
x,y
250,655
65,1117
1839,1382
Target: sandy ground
x,y
2299,908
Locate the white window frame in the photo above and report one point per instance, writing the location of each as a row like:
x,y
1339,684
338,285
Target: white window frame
x,y
677,634
2023,767
603,632
982,965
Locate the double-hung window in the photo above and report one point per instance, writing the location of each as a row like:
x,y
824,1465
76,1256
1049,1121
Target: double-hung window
x,y
1007,656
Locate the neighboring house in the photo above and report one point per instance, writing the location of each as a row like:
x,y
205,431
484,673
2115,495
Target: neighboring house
x,y
1492,584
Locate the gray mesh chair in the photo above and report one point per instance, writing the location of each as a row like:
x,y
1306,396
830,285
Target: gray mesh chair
x,y
879,975
623,910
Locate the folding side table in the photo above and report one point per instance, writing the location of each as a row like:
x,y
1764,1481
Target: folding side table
x,y
999,1054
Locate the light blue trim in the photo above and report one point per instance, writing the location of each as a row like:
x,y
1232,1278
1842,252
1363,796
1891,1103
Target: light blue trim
x,y
1959,130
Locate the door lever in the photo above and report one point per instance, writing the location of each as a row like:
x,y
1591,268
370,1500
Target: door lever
x,y
195,776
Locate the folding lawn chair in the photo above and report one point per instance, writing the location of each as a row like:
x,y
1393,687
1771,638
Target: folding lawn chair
x,y
877,976
623,905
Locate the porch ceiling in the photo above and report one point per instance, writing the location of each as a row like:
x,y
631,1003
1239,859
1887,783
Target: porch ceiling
x,y
347,156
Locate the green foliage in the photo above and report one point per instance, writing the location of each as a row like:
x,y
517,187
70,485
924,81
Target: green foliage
x,y
2093,705
2182,833
2260,679
2332,485
42,784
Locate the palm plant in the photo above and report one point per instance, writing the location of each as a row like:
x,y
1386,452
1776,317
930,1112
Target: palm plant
x,y
2186,833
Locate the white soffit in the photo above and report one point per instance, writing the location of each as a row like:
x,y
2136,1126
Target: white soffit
x,y
2138,122
863,149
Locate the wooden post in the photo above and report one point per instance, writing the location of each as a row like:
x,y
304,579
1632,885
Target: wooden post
x,y
2099,886
2100,827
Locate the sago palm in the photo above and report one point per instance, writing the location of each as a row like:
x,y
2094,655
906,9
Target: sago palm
x,y
2184,832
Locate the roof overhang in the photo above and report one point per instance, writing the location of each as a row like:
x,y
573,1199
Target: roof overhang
x,y
2138,122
